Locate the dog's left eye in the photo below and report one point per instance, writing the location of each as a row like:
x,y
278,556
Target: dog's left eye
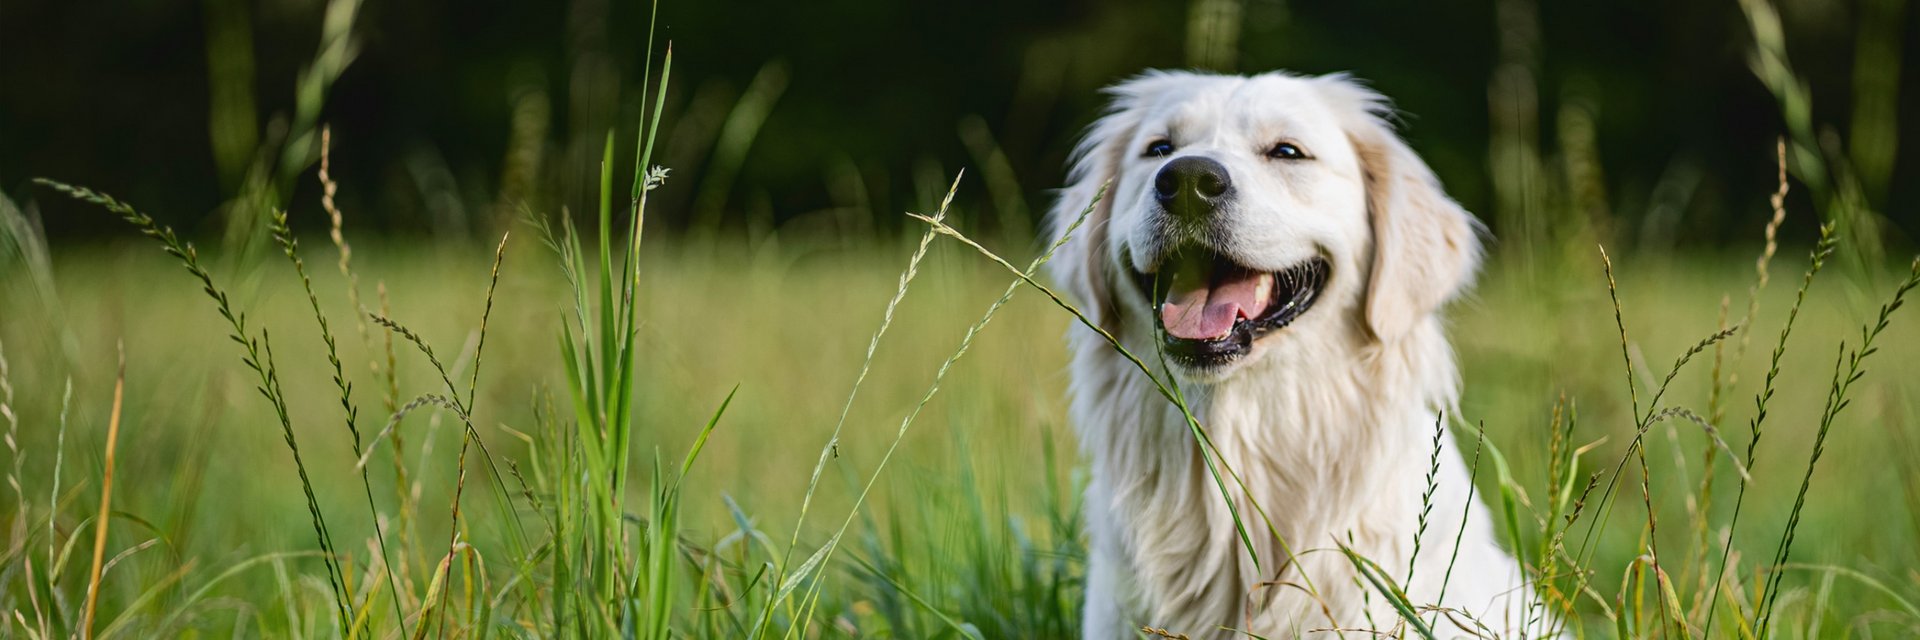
x,y
1158,149
1286,151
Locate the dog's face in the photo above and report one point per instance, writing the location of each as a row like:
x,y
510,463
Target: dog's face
x,y
1242,211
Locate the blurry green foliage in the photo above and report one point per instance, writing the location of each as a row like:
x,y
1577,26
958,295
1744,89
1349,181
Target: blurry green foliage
x,y
1646,117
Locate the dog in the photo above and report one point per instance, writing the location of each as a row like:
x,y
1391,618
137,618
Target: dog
x,y
1269,245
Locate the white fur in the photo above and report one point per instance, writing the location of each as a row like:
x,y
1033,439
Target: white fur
x,y
1329,421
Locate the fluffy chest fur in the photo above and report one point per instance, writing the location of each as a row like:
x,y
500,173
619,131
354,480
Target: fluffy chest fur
x,y
1333,448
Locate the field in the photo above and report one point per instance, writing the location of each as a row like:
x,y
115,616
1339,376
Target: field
x,y
972,527
760,420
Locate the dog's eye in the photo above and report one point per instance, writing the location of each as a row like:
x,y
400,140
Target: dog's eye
x,y
1286,151
1158,149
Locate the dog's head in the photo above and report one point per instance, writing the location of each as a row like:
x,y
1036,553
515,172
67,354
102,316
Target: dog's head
x,y
1244,210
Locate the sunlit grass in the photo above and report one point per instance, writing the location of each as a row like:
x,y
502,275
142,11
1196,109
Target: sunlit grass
x,y
780,437
199,462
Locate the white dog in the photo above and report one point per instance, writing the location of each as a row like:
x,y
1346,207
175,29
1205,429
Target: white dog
x,y
1276,245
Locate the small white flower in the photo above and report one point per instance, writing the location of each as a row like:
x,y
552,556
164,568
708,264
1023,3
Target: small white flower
x,y
655,176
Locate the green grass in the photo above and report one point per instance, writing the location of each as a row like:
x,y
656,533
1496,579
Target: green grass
x,y
973,527
801,436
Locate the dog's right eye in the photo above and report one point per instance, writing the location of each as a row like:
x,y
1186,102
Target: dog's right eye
x,y
1158,149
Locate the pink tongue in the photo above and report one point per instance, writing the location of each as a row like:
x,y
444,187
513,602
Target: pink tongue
x,y
1195,311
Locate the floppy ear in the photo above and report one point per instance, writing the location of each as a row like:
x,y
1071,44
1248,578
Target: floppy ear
x,y
1426,248
1083,266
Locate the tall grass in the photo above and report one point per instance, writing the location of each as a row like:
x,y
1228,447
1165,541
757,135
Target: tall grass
x,y
252,350
882,567
605,581
567,542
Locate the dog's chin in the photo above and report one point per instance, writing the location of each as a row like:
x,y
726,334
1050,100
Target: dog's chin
x,y
1212,315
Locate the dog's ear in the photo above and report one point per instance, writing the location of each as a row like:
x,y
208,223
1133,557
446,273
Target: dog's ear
x,y
1084,265
1426,247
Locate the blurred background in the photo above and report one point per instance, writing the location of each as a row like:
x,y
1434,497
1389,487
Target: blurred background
x,y
833,117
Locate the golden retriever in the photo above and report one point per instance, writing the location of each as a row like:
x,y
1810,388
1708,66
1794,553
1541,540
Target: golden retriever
x,y
1286,253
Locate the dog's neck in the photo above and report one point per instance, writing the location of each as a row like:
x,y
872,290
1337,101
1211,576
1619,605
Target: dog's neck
x,y
1329,438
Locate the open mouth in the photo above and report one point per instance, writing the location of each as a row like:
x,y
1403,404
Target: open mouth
x,y
1211,309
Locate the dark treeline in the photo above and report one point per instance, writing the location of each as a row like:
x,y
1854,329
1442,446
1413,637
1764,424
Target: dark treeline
x,y
1643,114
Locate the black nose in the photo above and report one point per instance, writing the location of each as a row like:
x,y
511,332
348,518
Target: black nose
x,y
1192,182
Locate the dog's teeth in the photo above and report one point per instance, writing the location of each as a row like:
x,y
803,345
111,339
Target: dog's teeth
x,y
1263,290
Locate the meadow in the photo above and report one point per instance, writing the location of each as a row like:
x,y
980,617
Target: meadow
x,y
831,428
972,530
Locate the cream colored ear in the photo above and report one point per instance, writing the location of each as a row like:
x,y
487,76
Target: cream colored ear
x,y
1426,248
1084,265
